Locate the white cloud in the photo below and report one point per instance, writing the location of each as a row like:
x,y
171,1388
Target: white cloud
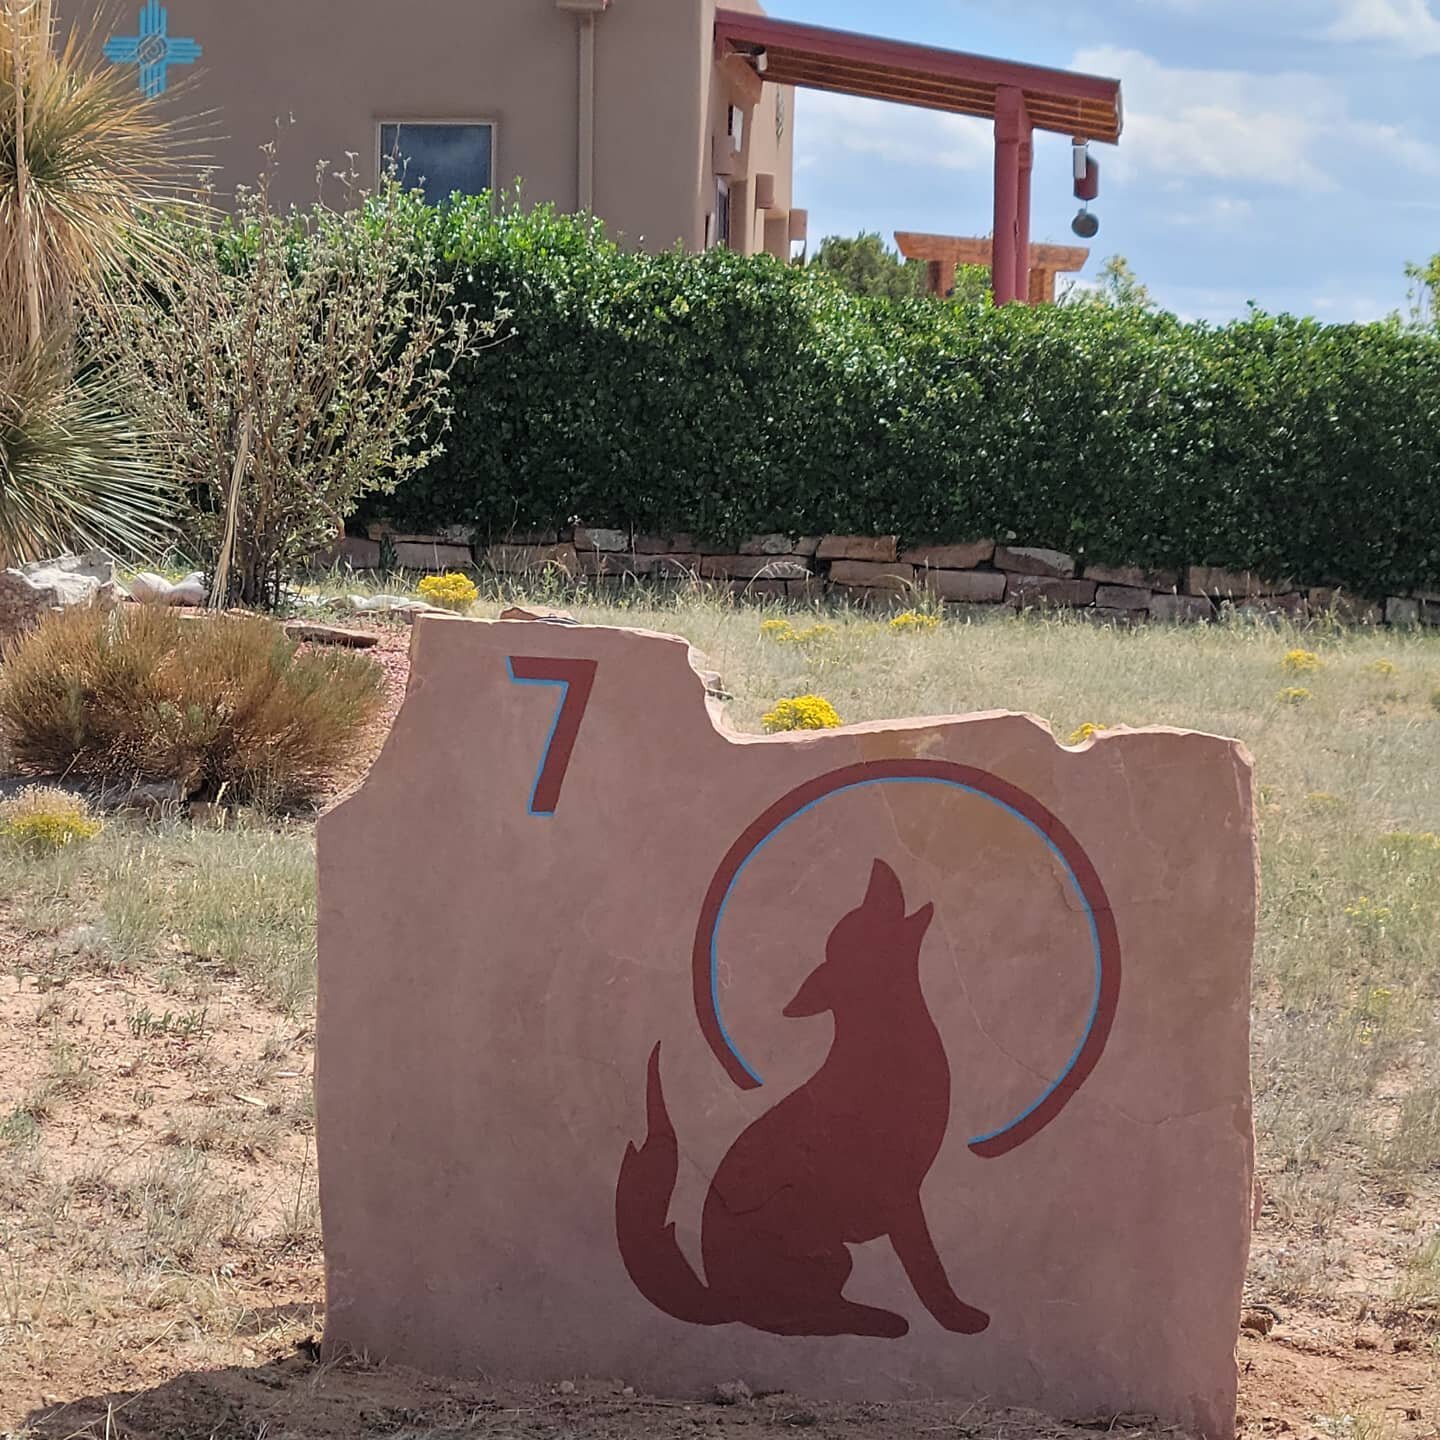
x,y
1409,24
829,125
1288,129
1224,212
1343,309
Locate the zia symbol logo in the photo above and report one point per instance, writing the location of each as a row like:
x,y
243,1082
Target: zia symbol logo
x,y
153,49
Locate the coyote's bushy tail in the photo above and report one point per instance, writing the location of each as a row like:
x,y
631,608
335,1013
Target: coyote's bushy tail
x,y
648,1246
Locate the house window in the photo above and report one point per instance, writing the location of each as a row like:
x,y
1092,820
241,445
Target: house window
x,y
722,212
441,158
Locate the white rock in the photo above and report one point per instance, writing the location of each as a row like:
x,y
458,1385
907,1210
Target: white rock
x,y
190,591
150,589
403,603
49,586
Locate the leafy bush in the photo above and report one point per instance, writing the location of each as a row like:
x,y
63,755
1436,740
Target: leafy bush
x,y
728,395
292,362
42,819
222,704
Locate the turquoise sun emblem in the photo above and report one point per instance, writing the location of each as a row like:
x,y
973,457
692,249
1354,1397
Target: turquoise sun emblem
x,y
153,49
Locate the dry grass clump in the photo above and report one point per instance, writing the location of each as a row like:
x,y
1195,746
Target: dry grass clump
x,y
222,705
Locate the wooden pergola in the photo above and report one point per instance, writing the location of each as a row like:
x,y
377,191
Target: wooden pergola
x,y
944,254
1020,99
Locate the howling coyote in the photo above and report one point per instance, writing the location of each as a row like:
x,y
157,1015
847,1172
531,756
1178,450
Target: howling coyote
x,y
838,1162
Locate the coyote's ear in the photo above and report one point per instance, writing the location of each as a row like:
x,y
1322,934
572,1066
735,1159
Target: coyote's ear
x,y
918,923
885,897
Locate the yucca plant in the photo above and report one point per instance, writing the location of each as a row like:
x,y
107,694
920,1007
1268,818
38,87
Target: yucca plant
x,y
74,471
83,157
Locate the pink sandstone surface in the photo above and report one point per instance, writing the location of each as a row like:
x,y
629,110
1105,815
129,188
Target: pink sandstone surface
x,y
907,1060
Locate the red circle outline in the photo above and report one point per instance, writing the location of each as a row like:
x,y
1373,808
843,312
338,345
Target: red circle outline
x,y
1086,877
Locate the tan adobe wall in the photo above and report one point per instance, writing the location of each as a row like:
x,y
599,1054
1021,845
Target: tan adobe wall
x,y
333,72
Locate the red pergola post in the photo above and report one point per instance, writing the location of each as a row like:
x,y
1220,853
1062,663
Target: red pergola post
x,y
1022,245
1010,268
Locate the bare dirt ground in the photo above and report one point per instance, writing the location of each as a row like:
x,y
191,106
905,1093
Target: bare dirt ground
x,y
161,1276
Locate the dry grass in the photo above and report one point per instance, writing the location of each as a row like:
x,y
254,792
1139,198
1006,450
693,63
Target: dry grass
x,y
224,705
188,907
1347,1007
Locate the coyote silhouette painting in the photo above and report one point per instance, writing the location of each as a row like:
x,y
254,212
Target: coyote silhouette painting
x,y
837,1162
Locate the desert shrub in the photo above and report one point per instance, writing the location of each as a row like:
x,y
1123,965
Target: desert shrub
x,y
292,361
224,705
451,591
728,395
42,819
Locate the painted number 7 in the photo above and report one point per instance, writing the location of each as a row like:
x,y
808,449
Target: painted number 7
x,y
574,679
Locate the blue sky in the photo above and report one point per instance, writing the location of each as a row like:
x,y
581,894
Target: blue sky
x,y
1280,151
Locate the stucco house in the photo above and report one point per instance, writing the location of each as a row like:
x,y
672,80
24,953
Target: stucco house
x,y
625,108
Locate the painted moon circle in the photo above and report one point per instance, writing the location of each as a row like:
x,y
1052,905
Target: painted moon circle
x,y
1090,965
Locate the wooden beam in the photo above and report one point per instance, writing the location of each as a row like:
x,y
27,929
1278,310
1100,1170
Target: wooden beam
x,y
1088,106
976,250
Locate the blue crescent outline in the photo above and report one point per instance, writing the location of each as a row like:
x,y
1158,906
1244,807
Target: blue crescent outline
x,y
954,785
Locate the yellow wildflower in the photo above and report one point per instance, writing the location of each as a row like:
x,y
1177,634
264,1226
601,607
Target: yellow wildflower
x,y
1301,662
1364,911
451,591
1383,667
43,819
1295,695
914,622
778,630
1088,731
801,712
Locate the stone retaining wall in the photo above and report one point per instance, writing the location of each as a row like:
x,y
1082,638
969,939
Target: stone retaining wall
x,y
875,569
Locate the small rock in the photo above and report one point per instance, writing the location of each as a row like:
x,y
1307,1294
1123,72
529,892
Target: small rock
x,y
308,630
148,588
1368,1339
628,1392
1035,560
191,591
549,617
734,1392
878,549
1257,1320
767,545
567,1387
397,604
612,540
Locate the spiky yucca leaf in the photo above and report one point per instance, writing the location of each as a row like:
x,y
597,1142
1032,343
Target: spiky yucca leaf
x,y
96,153
74,469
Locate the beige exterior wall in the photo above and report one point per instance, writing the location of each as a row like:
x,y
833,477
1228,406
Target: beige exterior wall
x,y
337,68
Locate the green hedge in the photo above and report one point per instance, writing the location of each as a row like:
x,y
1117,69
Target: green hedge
x,y
726,396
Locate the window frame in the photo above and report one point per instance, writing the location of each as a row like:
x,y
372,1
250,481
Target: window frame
x,y
452,120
